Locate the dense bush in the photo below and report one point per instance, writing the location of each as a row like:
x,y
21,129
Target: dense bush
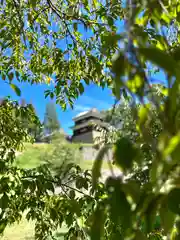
x,y
61,156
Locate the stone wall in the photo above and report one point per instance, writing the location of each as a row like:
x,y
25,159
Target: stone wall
x,y
89,137
90,153
84,138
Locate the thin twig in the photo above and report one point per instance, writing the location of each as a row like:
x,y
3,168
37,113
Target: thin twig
x,y
59,184
57,12
37,15
64,192
21,30
77,190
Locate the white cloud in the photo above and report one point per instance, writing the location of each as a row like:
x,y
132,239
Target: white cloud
x,y
94,102
81,108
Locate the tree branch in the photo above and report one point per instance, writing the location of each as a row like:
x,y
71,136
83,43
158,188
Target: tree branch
x,y
57,12
62,185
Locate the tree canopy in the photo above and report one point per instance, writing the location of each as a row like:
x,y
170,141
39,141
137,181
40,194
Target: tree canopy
x,y
51,122
119,44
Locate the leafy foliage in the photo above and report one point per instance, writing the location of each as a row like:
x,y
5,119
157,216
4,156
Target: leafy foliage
x,y
61,156
30,190
59,41
12,138
50,37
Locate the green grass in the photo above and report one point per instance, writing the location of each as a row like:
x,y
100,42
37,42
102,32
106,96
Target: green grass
x,y
25,231
32,155
87,164
22,231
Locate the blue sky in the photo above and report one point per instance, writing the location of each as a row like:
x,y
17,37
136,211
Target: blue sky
x,y
94,96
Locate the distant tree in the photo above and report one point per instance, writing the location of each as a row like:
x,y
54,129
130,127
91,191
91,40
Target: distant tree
x,y
33,128
51,122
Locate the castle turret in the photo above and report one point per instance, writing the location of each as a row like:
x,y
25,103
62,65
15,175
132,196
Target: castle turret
x,y
88,126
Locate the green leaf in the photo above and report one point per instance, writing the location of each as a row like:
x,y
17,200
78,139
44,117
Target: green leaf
x,y
167,217
4,200
155,236
75,26
96,169
119,206
3,224
139,236
16,89
11,76
49,186
98,224
124,93
110,21
51,95
132,189
124,153
176,54
81,88
178,17
47,93
143,114
79,182
53,214
173,200
72,194
174,234
116,234
160,58
17,74
118,68
3,77
151,212
111,39
33,3
86,79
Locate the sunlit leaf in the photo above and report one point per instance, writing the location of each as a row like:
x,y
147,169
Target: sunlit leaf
x,y
173,200
132,189
97,228
16,89
119,206
118,68
174,234
124,153
97,165
3,224
160,58
81,88
143,114
167,217
11,76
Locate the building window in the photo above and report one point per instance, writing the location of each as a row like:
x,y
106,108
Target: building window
x,y
83,130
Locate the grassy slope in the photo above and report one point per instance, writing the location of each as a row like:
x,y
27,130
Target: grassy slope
x,y
31,157
22,231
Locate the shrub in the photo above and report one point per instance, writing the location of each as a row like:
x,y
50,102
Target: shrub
x,y
61,156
